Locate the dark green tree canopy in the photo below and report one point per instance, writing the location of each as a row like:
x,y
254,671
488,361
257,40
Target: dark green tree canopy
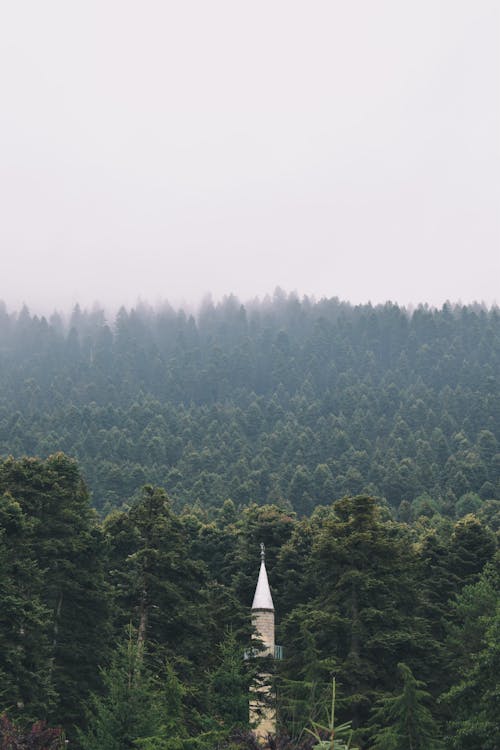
x,y
288,402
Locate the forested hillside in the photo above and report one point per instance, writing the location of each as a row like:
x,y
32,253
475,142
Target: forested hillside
x,y
130,632
285,401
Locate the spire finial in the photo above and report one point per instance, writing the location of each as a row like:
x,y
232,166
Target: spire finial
x,y
262,551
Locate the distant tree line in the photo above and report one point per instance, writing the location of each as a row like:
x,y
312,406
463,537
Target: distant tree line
x,y
286,401
129,631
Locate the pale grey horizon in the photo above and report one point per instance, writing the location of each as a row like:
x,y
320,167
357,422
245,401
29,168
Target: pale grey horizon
x,y
166,150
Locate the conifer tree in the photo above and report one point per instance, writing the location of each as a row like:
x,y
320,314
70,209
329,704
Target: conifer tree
x,y
363,617
65,546
135,705
472,546
476,699
229,685
473,701
155,582
404,722
25,654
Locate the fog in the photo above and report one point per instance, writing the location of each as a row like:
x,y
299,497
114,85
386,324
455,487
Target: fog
x,y
164,150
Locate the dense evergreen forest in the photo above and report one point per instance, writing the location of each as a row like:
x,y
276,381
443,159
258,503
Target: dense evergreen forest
x,y
129,632
283,401
144,460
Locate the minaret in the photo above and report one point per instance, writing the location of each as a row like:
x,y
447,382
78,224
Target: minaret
x,y
263,715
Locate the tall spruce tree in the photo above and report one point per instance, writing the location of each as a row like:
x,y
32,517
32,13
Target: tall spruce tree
x,y
364,616
155,582
229,684
26,690
404,721
134,705
473,700
65,545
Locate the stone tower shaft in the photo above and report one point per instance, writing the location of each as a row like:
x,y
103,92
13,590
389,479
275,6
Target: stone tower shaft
x,y
262,711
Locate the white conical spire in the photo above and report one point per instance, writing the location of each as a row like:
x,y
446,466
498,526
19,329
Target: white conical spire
x,y
263,598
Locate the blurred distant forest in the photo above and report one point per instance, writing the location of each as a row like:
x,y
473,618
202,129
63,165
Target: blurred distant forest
x,y
287,401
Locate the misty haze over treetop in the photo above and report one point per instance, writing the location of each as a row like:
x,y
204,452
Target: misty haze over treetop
x,y
107,314
287,400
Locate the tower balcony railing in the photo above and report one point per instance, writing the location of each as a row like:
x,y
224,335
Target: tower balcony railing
x,y
253,653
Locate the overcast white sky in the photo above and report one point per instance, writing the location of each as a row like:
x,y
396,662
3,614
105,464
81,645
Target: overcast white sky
x,y
165,149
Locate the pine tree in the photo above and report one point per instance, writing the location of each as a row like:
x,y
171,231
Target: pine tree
x,y
229,685
472,546
363,617
66,549
473,700
155,583
135,706
332,735
404,722
25,654
480,726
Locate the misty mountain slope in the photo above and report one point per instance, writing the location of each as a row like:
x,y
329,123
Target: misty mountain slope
x,y
286,400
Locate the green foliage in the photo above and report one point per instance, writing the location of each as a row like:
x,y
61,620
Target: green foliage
x,y
468,503
25,676
362,616
58,618
300,703
331,736
404,721
473,701
154,581
286,401
229,685
355,592
135,706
